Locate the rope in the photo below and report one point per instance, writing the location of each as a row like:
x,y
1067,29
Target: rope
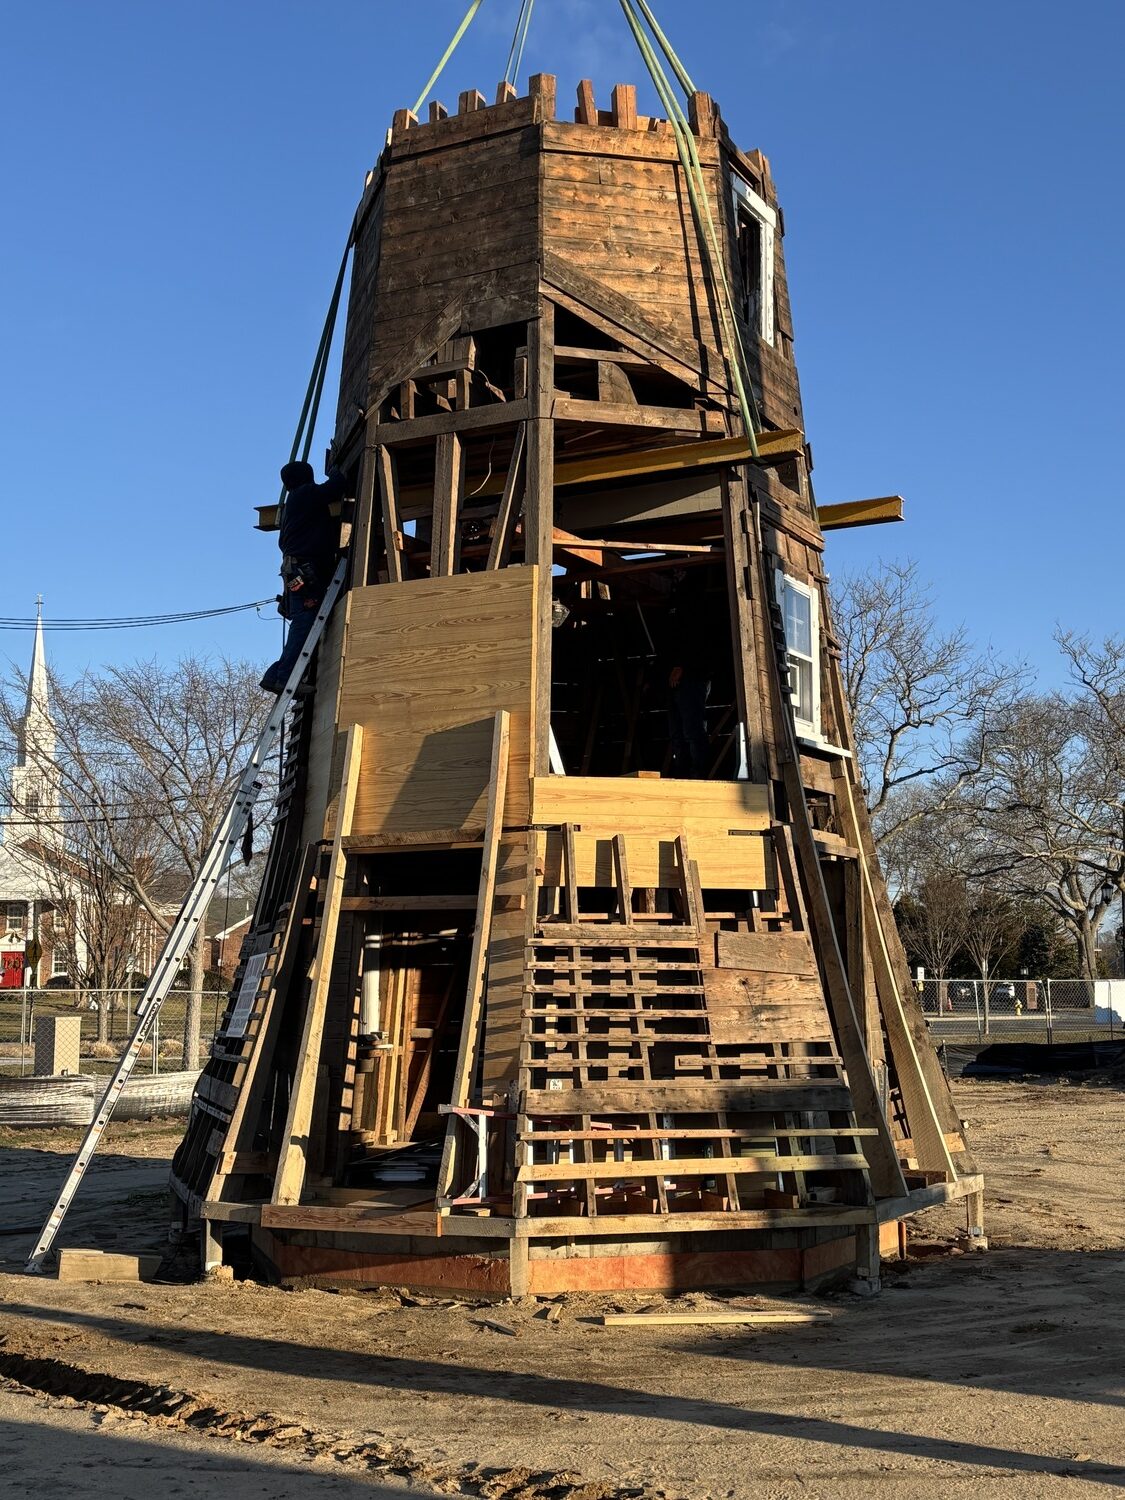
x,y
705,225
447,54
666,46
523,40
515,39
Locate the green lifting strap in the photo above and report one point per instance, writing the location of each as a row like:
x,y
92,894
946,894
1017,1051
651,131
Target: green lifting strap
x,y
447,54
306,422
701,211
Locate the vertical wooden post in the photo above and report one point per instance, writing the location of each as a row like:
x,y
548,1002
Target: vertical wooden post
x,y
539,516
387,469
474,994
867,1258
290,1178
501,542
364,512
449,484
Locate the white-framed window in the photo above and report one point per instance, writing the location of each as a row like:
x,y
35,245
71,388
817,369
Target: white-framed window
x,y
15,917
756,230
60,961
800,616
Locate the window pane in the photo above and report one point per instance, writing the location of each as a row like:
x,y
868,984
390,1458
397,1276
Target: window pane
x,y
798,621
801,672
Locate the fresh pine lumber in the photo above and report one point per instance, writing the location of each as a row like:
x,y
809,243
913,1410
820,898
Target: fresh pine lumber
x,y
659,1319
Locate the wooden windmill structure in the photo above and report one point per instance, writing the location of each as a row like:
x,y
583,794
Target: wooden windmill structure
x,y
525,1008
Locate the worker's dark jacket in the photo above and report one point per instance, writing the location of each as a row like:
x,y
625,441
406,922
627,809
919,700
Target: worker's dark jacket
x,y
309,535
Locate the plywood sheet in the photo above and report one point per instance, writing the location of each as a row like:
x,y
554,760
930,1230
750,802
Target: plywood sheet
x,y
722,821
620,804
726,862
428,664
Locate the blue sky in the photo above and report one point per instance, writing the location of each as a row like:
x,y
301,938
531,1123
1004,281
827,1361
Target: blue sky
x,y
179,179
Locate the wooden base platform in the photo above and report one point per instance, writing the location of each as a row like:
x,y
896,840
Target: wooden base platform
x,y
352,1244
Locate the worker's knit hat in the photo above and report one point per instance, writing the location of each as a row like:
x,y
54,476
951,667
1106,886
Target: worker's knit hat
x,y
295,474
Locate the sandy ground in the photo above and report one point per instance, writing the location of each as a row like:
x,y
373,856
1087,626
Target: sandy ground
x,y
1000,1373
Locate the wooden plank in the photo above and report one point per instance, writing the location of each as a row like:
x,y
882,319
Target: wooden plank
x,y
101,1265
709,1166
475,419
680,1319
770,952
428,838
470,1025
449,486
629,804
705,453
725,862
623,106
459,902
429,664
687,1098
586,112
759,1007
504,983
290,1176
539,517
860,513
351,1218
613,935
386,468
624,414
363,523
606,1132
500,546
926,1124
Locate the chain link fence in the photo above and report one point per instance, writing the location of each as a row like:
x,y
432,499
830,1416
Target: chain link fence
x,y
1026,1010
108,1018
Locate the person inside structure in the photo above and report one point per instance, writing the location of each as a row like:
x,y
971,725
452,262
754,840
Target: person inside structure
x,y
308,539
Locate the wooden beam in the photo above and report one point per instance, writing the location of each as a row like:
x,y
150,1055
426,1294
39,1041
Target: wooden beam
x,y
502,414
500,546
539,518
624,106
290,1178
449,486
860,513
387,470
586,112
474,995
706,1166
632,414
706,452
698,1097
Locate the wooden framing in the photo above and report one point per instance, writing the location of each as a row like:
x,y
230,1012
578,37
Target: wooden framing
x,y
606,977
290,1176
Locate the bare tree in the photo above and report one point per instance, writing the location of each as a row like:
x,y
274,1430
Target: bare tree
x,y
158,749
924,703
989,931
1049,812
933,921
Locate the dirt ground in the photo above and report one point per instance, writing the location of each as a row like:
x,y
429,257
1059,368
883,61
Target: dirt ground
x,y
1000,1373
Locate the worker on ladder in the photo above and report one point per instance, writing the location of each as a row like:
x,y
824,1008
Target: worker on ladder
x,y
308,539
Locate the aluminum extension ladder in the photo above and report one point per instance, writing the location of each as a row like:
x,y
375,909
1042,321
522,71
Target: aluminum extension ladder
x,y
227,839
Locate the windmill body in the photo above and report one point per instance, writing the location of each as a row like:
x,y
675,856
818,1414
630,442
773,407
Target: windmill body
x,y
573,966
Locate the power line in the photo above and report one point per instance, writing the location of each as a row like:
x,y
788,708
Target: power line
x,y
127,622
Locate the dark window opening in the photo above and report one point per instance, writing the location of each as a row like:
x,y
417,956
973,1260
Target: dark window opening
x,y
750,265
643,672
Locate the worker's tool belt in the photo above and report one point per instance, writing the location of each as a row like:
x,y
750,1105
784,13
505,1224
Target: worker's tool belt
x,y
291,600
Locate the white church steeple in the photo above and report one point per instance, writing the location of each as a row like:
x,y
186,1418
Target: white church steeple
x,y
34,801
